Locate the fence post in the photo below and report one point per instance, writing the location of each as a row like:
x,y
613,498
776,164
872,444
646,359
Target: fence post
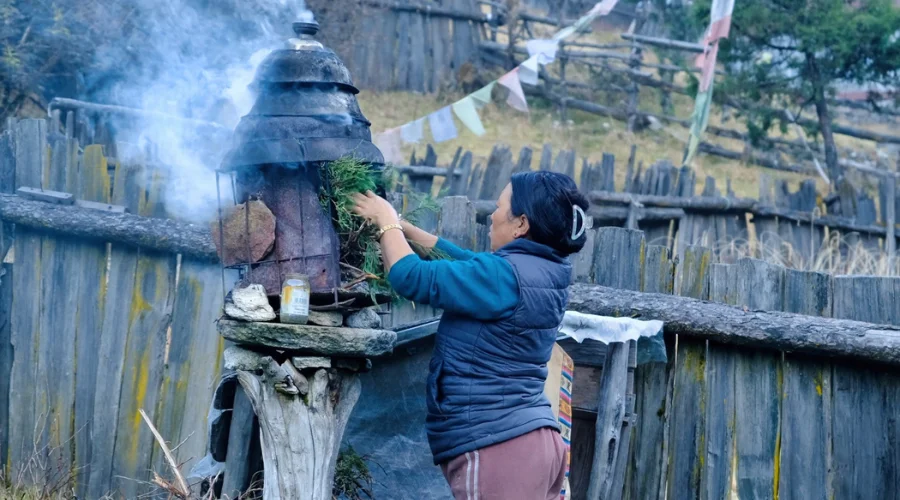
x,y
890,238
563,90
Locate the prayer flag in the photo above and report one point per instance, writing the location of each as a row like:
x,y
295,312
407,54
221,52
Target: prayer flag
x,y
389,142
468,114
482,96
528,71
516,98
413,131
442,126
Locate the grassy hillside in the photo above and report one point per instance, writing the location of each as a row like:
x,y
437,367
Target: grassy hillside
x,y
590,135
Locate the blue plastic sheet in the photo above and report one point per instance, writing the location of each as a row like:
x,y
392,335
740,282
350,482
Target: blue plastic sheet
x,y
387,427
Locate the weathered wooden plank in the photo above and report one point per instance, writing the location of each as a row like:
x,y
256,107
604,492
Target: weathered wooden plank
x,y
497,173
440,33
659,271
758,388
695,272
193,364
723,284
32,154
240,436
808,293
619,258
805,431
760,285
7,185
89,267
6,357
867,298
25,421
687,431
112,346
583,261
149,319
546,157
404,51
721,420
647,463
524,162
863,425
475,182
24,337
457,221
418,46
458,184
55,382
611,409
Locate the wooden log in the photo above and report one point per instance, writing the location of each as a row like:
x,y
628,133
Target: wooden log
x,y
319,340
664,43
483,208
302,422
730,325
107,109
416,170
432,11
695,203
610,415
133,230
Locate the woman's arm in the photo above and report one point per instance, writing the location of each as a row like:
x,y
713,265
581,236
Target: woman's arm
x,y
484,287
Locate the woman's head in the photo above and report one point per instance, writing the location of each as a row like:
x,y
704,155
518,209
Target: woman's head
x,y
539,206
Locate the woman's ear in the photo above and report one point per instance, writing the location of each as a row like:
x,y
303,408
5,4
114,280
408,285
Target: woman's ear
x,y
522,226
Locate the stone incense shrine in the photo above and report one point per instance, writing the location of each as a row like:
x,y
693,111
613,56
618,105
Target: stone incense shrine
x,y
301,379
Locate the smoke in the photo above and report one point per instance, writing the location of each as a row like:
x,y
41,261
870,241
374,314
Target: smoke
x,y
191,58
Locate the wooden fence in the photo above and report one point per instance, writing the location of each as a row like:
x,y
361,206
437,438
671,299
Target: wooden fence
x,y
607,79
421,46
669,209
93,332
720,420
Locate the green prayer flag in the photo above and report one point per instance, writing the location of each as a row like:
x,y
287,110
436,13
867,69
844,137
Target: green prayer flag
x,y
467,113
482,96
699,120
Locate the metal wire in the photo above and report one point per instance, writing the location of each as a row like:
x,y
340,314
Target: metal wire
x,y
221,234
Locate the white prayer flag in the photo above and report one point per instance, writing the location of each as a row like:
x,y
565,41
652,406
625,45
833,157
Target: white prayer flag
x,y
442,126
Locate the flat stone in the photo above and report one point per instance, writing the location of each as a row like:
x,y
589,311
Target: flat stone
x,y
313,339
261,226
305,363
249,304
366,318
241,359
326,318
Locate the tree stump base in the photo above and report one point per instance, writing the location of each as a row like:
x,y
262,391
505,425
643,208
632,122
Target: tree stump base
x,y
302,416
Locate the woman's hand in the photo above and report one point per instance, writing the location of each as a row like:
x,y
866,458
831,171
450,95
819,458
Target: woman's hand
x,y
374,209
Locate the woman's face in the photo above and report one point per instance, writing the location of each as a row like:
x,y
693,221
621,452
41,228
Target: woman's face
x,y
505,227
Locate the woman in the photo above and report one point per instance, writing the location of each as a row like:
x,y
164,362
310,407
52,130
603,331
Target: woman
x,y
489,425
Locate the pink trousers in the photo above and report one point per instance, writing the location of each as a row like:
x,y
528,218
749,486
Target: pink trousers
x,y
529,467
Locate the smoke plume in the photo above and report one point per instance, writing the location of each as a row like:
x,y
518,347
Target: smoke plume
x,y
191,58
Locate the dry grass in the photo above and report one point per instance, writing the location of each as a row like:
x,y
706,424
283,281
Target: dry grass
x,y
836,256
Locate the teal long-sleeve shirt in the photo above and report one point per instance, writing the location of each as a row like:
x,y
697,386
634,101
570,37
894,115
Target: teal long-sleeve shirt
x,y
480,285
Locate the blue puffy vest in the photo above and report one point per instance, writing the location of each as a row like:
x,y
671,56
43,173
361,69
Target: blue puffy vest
x,y
486,378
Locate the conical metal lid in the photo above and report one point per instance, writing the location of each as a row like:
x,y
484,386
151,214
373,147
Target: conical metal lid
x,y
305,111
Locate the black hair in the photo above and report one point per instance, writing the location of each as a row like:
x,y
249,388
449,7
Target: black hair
x,y
548,200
